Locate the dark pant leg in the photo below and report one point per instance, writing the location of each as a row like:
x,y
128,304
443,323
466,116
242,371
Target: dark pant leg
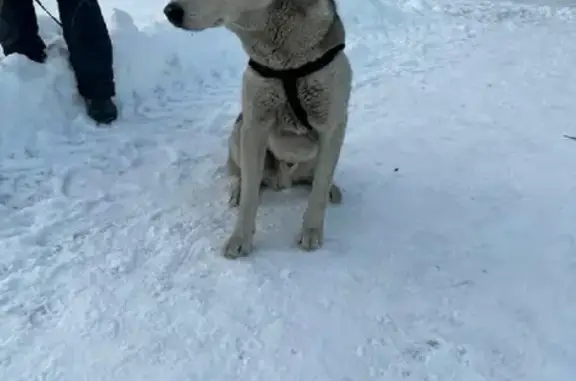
x,y
90,47
19,28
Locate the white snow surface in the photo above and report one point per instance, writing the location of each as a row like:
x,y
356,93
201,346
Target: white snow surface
x,y
452,257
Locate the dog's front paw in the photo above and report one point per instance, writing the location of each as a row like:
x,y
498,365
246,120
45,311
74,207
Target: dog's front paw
x,y
238,246
311,239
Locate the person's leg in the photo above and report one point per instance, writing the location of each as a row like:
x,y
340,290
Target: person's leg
x,y
91,58
19,30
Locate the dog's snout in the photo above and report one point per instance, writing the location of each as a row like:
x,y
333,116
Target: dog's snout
x,y
174,13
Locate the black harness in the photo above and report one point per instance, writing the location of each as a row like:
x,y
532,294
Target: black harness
x,y
289,79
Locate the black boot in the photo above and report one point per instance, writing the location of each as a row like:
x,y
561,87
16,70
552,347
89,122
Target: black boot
x,y
102,111
91,56
38,56
19,30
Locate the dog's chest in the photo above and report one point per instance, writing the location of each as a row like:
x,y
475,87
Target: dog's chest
x,y
314,100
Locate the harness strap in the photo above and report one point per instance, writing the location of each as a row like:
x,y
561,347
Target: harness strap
x,y
289,79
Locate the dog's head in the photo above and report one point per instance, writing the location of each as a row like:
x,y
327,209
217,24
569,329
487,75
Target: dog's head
x,y
203,14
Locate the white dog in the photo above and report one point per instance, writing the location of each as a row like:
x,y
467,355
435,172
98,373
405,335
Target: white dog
x,y
295,96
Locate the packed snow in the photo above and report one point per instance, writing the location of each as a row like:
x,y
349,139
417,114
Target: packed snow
x,y
452,257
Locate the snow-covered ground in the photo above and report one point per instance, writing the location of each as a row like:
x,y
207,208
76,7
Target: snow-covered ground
x,y
453,256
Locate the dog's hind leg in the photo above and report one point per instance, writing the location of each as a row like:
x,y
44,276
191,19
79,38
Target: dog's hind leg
x,y
335,194
311,236
233,162
234,192
305,177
